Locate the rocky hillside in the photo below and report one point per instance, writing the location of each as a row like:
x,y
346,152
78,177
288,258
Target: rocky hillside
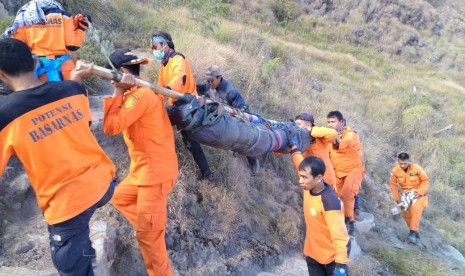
x,y
392,67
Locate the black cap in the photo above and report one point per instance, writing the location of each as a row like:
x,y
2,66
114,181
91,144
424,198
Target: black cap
x,y
124,56
306,117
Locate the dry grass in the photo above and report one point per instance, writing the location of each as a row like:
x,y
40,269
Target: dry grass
x,y
412,262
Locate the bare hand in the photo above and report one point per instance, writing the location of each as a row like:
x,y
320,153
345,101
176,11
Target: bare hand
x,y
127,81
79,73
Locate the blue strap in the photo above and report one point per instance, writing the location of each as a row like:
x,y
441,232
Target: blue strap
x,y
51,67
114,183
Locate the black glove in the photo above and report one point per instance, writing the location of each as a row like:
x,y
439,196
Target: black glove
x,y
293,140
341,270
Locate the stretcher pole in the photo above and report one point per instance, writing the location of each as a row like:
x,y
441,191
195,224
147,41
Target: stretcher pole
x,y
116,76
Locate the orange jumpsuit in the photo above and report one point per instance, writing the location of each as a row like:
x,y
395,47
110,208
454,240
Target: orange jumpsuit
x,y
176,74
143,195
412,179
57,37
47,128
320,148
348,166
326,238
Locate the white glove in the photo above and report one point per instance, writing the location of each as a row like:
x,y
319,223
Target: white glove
x,y
408,198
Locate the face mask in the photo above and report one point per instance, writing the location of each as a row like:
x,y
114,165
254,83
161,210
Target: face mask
x,y
158,54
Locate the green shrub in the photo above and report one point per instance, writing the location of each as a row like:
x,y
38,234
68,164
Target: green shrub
x,y
284,10
269,68
5,22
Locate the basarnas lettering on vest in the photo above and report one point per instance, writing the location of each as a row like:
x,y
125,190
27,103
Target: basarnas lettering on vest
x,y
54,120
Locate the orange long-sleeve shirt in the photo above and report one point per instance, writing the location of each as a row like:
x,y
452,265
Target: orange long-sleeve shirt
x,y
47,128
177,75
57,37
412,179
326,238
142,118
346,157
320,148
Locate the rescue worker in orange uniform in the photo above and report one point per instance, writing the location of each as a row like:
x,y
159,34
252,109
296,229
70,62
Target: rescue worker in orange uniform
x,y
322,137
327,243
46,125
51,34
142,197
348,166
410,177
175,74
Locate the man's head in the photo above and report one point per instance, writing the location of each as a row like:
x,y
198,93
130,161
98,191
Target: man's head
x,y
213,76
403,159
305,120
311,171
15,59
126,61
161,43
335,120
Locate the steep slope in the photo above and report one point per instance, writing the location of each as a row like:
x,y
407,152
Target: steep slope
x,y
376,61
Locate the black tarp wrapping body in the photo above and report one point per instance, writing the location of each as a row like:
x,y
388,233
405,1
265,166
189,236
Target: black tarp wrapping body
x,y
223,127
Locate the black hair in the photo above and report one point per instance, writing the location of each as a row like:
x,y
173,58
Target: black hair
x,y
133,69
15,57
315,164
403,156
166,36
335,114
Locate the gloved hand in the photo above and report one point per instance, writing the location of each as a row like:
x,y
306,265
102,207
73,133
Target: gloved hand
x,y
341,270
81,22
407,199
293,140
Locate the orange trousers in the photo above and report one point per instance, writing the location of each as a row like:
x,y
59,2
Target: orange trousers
x,y
413,215
145,207
347,188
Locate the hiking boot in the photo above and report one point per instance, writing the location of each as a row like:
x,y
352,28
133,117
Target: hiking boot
x,y
207,177
255,167
412,237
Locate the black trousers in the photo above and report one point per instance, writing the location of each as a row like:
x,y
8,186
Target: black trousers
x,y
317,269
197,152
70,245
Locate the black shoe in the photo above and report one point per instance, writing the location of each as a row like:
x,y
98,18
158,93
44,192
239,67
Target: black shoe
x,y
256,167
351,229
412,237
208,178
